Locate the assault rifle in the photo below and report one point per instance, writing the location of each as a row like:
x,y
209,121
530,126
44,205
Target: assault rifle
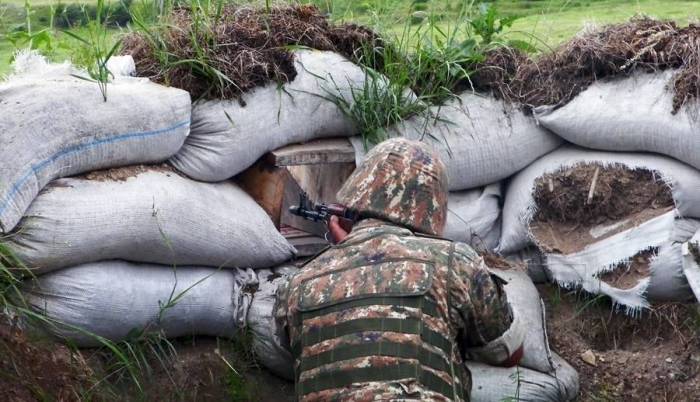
x,y
323,212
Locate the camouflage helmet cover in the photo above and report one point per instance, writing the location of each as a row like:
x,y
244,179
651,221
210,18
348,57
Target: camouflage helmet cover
x,y
400,181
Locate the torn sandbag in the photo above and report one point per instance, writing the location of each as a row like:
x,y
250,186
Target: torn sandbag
x,y
474,217
145,214
634,113
230,135
491,383
55,125
118,300
520,206
633,267
609,224
690,252
481,140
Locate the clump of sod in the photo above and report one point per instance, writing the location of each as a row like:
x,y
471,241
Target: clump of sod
x,y
580,195
556,77
224,51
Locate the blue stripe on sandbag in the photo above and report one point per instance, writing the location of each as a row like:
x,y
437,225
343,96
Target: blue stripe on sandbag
x,y
78,148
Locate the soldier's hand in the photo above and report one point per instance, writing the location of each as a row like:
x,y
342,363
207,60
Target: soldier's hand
x,y
336,230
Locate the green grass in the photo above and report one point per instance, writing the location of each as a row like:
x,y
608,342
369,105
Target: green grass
x,y
549,21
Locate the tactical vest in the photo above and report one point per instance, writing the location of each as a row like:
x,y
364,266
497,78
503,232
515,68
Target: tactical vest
x,y
362,300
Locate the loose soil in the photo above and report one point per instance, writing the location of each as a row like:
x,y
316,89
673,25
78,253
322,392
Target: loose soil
x,y
39,370
655,357
565,222
557,77
628,275
248,45
126,172
42,369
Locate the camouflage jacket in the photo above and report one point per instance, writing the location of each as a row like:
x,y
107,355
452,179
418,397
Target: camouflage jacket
x,y
386,315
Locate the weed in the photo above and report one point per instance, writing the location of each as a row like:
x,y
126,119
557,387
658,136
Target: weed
x,y
516,377
95,49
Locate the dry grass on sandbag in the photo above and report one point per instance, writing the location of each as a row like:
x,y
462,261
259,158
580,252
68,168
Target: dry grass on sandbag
x,y
569,204
224,53
557,77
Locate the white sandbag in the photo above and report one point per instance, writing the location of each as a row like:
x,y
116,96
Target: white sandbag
x,y
113,298
629,114
690,252
481,140
474,217
121,65
519,207
156,216
268,344
228,137
525,302
55,125
493,384
665,281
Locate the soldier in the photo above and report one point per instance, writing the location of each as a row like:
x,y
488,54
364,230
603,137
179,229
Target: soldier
x,y
391,311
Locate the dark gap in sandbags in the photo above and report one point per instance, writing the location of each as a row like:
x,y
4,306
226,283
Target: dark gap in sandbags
x,y
556,77
249,46
573,212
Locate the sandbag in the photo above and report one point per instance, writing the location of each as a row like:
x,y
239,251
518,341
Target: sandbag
x,y
519,208
151,215
481,140
660,279
629,114
525,302
112,299
474,217
230,135
491,383
55,125
268,344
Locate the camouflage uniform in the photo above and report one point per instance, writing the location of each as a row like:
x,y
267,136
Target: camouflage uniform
x,y
386,314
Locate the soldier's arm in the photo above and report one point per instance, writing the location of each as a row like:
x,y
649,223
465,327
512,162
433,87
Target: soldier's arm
x,y
490,333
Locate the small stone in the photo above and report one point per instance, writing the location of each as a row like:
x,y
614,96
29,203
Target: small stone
x,y
669,360
589,358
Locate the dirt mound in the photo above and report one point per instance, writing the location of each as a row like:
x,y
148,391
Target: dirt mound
x,y
655,357
557,77
249,46
572,211
34,370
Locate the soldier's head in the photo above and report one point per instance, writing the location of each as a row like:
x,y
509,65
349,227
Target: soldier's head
x,y
400,181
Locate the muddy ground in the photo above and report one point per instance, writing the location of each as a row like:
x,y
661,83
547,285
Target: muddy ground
x,y
655,357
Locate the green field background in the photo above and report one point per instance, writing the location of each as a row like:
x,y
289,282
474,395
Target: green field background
x,y
545,23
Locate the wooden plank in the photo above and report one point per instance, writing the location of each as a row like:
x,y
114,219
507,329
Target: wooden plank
x,y
328,150
266,185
